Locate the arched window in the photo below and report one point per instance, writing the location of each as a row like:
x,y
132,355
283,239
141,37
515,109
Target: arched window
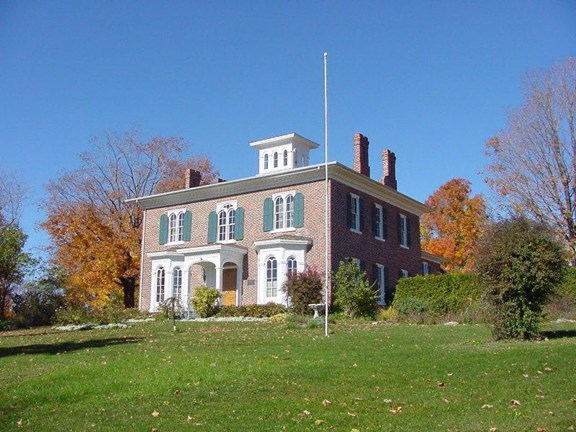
x,y
265,161
160,284
289,211
226,223
173,228
271,277
292,267
180,229
279,213
177,283
295,157
285,157
275,159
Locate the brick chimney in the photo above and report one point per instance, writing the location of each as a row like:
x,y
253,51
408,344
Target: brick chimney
x,y
193,178
389,169
361,154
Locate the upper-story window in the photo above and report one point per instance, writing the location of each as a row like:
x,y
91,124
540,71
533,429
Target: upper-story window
x,y
404,273
266,161
226,224
355,212
175,226
404,230
275,159
284,211
379,222
285,157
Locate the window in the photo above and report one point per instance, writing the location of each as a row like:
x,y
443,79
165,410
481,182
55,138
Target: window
x,y
425,268
289,211
226,223
265,161
285,157
271,277
295,157
355,205
381,283
175,227
275,159
292,267
279,213
177,283
404,231
404,273
160,284
379,225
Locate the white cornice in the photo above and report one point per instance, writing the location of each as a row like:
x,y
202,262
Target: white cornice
x,y
284,139
308,174
263,244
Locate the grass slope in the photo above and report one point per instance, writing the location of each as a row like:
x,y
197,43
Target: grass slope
x,y
270,377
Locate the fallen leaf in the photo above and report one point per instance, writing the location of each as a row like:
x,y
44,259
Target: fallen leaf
x,y
396,410
318,422
525,375
441,384
515,403
541,429
155,414
189,418
486,406
326,402
305,413
493,429
548,369
446,400
19,422
352,414
357,399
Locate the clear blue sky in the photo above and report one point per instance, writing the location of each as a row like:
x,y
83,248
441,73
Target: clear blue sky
x,y
431,80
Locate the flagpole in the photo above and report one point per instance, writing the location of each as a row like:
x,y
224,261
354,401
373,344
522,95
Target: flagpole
x,y
326,212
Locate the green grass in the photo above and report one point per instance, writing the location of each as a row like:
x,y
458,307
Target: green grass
x,y
274,377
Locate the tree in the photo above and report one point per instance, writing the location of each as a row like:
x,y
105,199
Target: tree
x,y
13,263
304,288
352,291
12,195
533,160
454,226
96,235
519,264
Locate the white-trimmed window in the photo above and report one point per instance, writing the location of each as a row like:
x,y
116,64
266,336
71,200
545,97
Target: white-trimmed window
x,y
226,221
292,266
283,211
266,161
176,227
285,157
381,283
275,159
404,235
160,284
425,268
271,277
177,282
355,213
404,273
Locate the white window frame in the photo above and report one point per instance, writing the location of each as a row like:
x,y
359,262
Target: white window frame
x,y
381,284
266,161
380,222
271,277
177,282
284,216
355,209
160,284
425,268
226,227
175,226
403,231
291,266
404,273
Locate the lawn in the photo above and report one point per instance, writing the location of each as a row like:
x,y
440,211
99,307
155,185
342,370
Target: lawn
x,y
262,376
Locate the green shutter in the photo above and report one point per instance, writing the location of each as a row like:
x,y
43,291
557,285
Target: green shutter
x,y
239,228
298,210
163,237
212,227
268,215
187,234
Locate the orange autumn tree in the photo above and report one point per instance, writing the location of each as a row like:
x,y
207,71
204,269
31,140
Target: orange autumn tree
x,y
96,236
454,226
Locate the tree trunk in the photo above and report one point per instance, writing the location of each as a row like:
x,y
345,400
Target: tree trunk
x,y
129,288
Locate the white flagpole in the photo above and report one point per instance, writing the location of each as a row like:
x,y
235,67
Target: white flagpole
x,y
326,213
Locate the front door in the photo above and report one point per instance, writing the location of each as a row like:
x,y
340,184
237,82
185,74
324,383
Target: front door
x,y
229,287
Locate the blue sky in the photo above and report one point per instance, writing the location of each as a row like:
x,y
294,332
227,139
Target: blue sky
x,y
431,80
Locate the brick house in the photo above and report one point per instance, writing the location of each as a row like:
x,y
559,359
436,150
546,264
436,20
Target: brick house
x,y
245,236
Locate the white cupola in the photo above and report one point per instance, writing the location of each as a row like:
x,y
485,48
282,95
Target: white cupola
x,y
283,153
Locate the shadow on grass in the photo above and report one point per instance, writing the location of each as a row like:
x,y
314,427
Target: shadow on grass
x,y
559,334
62,347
